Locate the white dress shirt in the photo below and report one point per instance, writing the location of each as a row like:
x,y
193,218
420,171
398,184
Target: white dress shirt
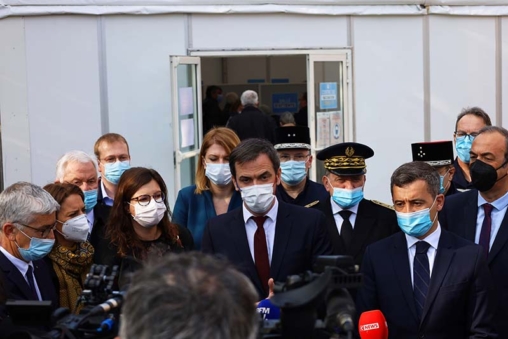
x,y
108,201
338,218
433,240
269,226
497,216
22,267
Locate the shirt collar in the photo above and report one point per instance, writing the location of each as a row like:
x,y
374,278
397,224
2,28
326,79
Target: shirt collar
x,y
21,265
499,204
336,208
272,212
104,193
432,239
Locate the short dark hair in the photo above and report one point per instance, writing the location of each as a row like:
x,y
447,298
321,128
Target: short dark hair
x,y
413,171
191,295
500,130
476,111
251,149
211,89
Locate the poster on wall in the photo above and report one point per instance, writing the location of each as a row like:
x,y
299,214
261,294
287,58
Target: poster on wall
x,y
187,132
185,101
328,95
284,102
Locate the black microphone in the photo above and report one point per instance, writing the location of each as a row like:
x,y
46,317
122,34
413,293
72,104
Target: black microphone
x,y
340,310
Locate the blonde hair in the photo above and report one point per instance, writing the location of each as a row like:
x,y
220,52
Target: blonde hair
x,y
221,136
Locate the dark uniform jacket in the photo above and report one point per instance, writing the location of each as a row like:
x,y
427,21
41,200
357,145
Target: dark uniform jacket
x,y
459,180
252,123
374,221
98,236
312,195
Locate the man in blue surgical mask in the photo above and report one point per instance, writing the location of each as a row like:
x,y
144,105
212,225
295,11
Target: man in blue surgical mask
x,y
427,281
293,146
469,122
353,221
438,154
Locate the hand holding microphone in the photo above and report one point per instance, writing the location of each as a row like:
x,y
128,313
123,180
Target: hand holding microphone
x,y
372,325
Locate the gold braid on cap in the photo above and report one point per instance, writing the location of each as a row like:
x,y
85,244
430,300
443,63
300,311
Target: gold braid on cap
x,y
344,162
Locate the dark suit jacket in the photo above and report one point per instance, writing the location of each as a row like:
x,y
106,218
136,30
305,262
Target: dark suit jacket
x,y
300,236
15,287
459,216
252,123
98,236
459,302
373,222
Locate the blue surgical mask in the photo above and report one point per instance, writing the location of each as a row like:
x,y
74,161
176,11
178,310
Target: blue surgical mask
x,y
441,182
113,172
463,146
90,199
416,224
347,198
293,172
38,249
219,174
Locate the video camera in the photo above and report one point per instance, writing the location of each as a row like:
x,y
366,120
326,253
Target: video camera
x,y
315,304
99,318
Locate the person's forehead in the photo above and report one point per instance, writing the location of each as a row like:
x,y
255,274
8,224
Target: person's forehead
x,y
470,123
346,177
261,163
293,151
489,142
417,189
113,148
78,169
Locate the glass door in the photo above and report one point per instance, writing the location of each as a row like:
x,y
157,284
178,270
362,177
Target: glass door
x,y
187,117
328,104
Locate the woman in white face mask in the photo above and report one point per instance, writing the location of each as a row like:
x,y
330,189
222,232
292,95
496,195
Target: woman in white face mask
x,y
71,256
139,226
213,193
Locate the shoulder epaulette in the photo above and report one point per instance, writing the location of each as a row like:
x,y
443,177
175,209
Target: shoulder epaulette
x,y
382,204
314,203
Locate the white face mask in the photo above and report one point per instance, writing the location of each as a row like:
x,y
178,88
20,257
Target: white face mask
x,y
75,229
258,198
149,215
219,174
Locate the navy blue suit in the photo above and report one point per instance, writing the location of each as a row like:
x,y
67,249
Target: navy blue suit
x,y
459,300
15,287
300,236
459,216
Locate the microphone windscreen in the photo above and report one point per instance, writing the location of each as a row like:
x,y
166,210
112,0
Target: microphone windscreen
x,y
372,325
268,310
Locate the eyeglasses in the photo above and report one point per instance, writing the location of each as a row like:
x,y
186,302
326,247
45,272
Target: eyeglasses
x,y
461,134
112,159
144,200
44,231
297,157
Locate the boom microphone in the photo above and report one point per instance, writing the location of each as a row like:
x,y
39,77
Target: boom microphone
x,y
372,325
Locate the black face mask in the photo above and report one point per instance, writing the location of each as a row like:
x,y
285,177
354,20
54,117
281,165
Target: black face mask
x,y
484,176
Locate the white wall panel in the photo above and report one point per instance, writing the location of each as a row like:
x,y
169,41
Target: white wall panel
x,y
504,77
388,71
63,89
268,31
462,70
139,90
13,102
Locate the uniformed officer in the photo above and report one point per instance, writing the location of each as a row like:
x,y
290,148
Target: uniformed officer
x,y
293,146
438,154
353,221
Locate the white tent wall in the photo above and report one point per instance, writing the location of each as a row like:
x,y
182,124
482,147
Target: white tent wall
x,y
66,79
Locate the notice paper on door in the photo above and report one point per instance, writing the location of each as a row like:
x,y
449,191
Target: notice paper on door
x,y
329,129
187,132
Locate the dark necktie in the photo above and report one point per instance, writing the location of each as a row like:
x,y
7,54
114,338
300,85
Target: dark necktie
x,y
31,282
421,276
486,228
261,252
346,230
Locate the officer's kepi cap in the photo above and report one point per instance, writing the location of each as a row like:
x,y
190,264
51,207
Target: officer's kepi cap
x,y
292,137
437,153
347,158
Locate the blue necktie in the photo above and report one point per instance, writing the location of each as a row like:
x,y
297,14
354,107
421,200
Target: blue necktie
x,y
421,276
31,282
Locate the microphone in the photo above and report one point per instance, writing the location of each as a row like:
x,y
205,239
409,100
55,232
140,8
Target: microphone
x,y
340,310
268,310
107,306
372,325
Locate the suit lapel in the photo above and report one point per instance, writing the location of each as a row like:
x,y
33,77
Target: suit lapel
x,y
470,214
442,261
500,240
14,275
362,227
400,261
283,227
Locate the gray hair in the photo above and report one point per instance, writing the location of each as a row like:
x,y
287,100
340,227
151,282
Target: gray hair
x,y
500,130
413,171
287,118
190,295
72,156
249,98
477,112
22,202
251,149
